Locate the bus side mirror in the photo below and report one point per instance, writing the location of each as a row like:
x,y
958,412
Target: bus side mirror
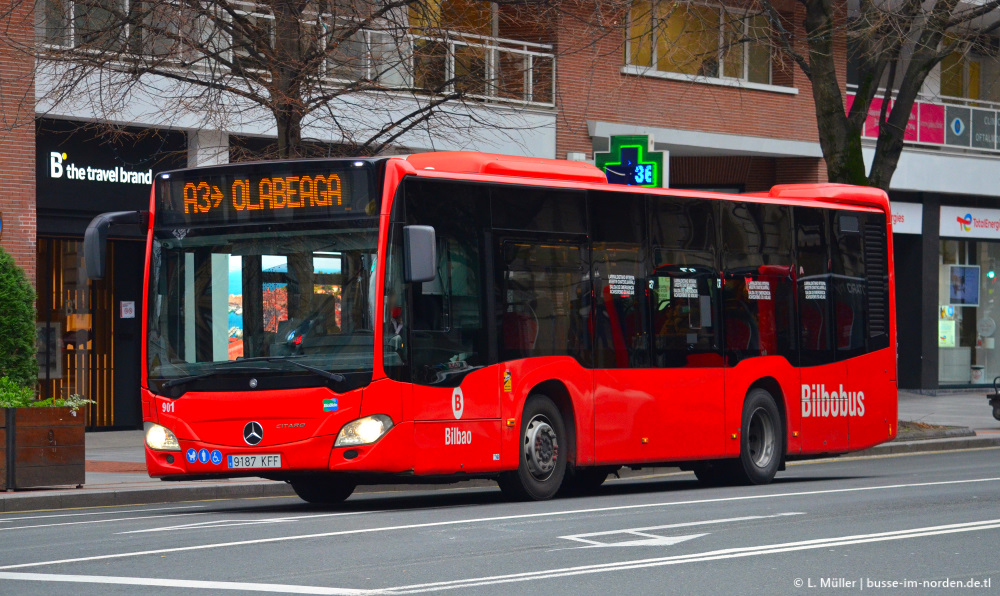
x,y
419,253
95,239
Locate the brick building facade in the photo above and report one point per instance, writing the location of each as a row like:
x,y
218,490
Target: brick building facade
x,y
17,137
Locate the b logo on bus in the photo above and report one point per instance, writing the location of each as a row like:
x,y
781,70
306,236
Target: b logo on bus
x,y
457,403
817,402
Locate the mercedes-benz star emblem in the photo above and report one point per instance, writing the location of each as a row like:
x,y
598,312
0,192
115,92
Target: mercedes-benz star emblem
x,y
253,433
253,383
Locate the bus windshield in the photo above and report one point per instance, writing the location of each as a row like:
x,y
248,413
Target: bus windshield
x,y
217,298
287,288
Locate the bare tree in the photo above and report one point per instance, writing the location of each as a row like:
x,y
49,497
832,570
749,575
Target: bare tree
x,y
364,72
893,44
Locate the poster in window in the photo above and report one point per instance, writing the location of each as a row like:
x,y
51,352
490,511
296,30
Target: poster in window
x,y
49,349
963,285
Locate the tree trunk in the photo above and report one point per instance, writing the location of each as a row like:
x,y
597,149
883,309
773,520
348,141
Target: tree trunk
x,y
838,138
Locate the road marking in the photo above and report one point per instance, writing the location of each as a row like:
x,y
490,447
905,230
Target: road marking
x,y
655,540
456,522
716,555
100,521
229,523
180,583
17,519
729,553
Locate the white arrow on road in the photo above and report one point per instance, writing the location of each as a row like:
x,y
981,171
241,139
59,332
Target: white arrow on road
x,y
647,539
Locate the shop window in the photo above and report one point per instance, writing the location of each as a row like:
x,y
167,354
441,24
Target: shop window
x,y
75,328
758,298
620,291
699,40
449,337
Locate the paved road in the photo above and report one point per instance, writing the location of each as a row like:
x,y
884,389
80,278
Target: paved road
x,y
917,518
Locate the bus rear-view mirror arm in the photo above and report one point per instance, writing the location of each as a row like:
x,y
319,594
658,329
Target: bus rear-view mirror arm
x,y
95,239
419,253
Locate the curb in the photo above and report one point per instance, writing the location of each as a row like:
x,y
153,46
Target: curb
x,y
930,445
77,498
112,497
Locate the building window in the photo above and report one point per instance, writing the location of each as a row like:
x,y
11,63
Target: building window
x,y
699,40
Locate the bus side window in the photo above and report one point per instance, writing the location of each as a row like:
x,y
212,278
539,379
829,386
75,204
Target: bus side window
x,y
683,291
617,222
812,275
758,294
850,296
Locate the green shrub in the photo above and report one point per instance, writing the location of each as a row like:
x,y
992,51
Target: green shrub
x,y
14,395
17,324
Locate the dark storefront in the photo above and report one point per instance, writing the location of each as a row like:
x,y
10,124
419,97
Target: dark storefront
x,y
89,333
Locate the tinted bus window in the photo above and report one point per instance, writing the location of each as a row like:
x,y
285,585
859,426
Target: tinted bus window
x,y
449,337
758,291
544,294
682,224
683,291
539,209
617,225
812,239
849,286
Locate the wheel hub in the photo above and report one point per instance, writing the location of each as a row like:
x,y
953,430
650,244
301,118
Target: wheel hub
x,y
760,438
541,447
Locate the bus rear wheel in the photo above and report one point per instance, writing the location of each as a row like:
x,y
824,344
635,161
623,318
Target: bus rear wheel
x,y
762,439
323,490
542,458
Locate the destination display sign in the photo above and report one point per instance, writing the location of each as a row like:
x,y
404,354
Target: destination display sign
x,y
265,192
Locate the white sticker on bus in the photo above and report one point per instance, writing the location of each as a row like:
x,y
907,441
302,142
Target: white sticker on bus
x,y
457,403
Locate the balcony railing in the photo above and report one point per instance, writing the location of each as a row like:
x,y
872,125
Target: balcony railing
x,y
955,123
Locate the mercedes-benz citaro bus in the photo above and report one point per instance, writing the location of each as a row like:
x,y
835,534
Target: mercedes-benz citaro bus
x,y
463,315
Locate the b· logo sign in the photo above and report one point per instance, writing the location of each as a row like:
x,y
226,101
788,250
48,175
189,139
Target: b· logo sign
x,y
457,403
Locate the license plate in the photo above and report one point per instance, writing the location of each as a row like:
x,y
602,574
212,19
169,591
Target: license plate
x,y
260,460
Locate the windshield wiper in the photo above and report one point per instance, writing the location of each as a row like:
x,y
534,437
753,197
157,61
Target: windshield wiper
x,y
331,376
222,371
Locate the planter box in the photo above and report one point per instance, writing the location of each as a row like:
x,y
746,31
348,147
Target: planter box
x,y
41,447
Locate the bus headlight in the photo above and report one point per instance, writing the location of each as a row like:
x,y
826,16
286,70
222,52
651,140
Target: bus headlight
x,y
160,438
363,430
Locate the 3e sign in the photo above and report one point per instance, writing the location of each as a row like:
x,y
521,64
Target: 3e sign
x,y
268,193
630,162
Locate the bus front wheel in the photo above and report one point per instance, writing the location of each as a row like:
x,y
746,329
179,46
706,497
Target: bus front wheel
x,y
323,490
762,439
542,457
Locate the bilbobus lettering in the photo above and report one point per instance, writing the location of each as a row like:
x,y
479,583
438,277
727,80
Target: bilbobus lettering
x,y
817,402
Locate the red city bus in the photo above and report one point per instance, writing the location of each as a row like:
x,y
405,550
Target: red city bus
x,y
340,322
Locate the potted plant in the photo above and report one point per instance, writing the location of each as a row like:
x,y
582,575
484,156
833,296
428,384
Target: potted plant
x,y
41,441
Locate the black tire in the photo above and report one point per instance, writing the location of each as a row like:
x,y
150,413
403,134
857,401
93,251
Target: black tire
x,y
583,481
762,439
542,457
323,490
996,411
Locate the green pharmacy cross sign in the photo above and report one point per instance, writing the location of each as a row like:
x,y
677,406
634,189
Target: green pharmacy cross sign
x,y
630,162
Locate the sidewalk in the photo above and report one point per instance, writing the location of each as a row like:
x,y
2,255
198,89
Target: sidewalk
x,y
116,472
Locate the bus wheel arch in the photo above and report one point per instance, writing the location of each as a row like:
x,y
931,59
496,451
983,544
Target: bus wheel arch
x,y
770,384
541,451
559,395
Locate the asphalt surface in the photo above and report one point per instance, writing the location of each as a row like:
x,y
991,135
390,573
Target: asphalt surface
x,y
116,475
924,518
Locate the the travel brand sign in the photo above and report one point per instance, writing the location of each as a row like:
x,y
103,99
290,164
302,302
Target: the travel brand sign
x,y
61,167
